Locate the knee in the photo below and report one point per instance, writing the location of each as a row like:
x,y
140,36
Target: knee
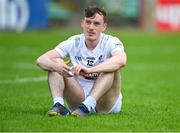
x,y
106,77
107,74
110,76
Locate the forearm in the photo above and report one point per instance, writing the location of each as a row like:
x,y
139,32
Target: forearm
x,y
110,65
49,64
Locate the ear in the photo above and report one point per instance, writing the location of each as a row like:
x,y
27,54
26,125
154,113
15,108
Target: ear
x,y
82,23
104,26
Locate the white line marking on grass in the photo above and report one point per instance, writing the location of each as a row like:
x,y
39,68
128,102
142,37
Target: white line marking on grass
x,y
25,65
24,80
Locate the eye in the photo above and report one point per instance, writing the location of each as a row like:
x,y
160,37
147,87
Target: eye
x,y
88,22
96,23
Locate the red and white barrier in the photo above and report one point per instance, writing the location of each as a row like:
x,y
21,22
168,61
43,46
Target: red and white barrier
x,y
168,15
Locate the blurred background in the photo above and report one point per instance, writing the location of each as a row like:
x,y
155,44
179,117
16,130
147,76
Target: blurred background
x,y
149,15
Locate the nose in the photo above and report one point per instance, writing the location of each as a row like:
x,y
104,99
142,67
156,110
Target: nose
x,y
91,26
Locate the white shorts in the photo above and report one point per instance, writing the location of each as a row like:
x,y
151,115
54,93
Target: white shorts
x,y
117,106
87,86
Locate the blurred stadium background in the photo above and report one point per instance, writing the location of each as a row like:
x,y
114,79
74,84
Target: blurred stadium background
x,y
150,15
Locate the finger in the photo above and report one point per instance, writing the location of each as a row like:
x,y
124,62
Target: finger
x,y
77,70
68,73
67,68
82,73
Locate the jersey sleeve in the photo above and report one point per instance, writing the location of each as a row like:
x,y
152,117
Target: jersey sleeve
x,y
115,44
65,47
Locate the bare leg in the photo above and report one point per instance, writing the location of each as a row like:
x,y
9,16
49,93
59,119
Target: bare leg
x,y
67,88
106,90
73,93
56,84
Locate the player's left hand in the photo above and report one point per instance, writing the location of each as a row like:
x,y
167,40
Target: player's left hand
x,y
80,70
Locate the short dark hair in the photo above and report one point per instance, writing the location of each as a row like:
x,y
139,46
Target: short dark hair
x,y
92,10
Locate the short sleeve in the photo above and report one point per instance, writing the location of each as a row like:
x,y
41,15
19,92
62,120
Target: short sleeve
x,y
115,44
65,47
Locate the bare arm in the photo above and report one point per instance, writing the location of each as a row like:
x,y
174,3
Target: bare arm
x,y
117,61
51,61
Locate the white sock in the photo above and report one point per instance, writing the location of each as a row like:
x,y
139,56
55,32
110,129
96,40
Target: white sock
x,y
58,100
90,103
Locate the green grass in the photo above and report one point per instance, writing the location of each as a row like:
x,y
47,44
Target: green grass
x,y
150,84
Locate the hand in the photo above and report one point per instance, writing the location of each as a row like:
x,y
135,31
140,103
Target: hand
x,y
80,70
62,68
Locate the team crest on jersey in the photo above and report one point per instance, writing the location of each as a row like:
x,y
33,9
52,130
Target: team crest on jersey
x,y
79,58
100,58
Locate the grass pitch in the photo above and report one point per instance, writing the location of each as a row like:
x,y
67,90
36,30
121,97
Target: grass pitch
x,y
150,84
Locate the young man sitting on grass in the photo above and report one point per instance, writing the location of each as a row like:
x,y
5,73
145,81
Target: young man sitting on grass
x,y
93,84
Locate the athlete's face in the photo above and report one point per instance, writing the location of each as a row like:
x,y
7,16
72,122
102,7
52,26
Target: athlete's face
x,y
93,26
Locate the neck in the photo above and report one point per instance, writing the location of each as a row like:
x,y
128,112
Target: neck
x,y
91,44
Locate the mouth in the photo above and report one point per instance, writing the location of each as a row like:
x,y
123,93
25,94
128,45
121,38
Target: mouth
x,y
90,33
